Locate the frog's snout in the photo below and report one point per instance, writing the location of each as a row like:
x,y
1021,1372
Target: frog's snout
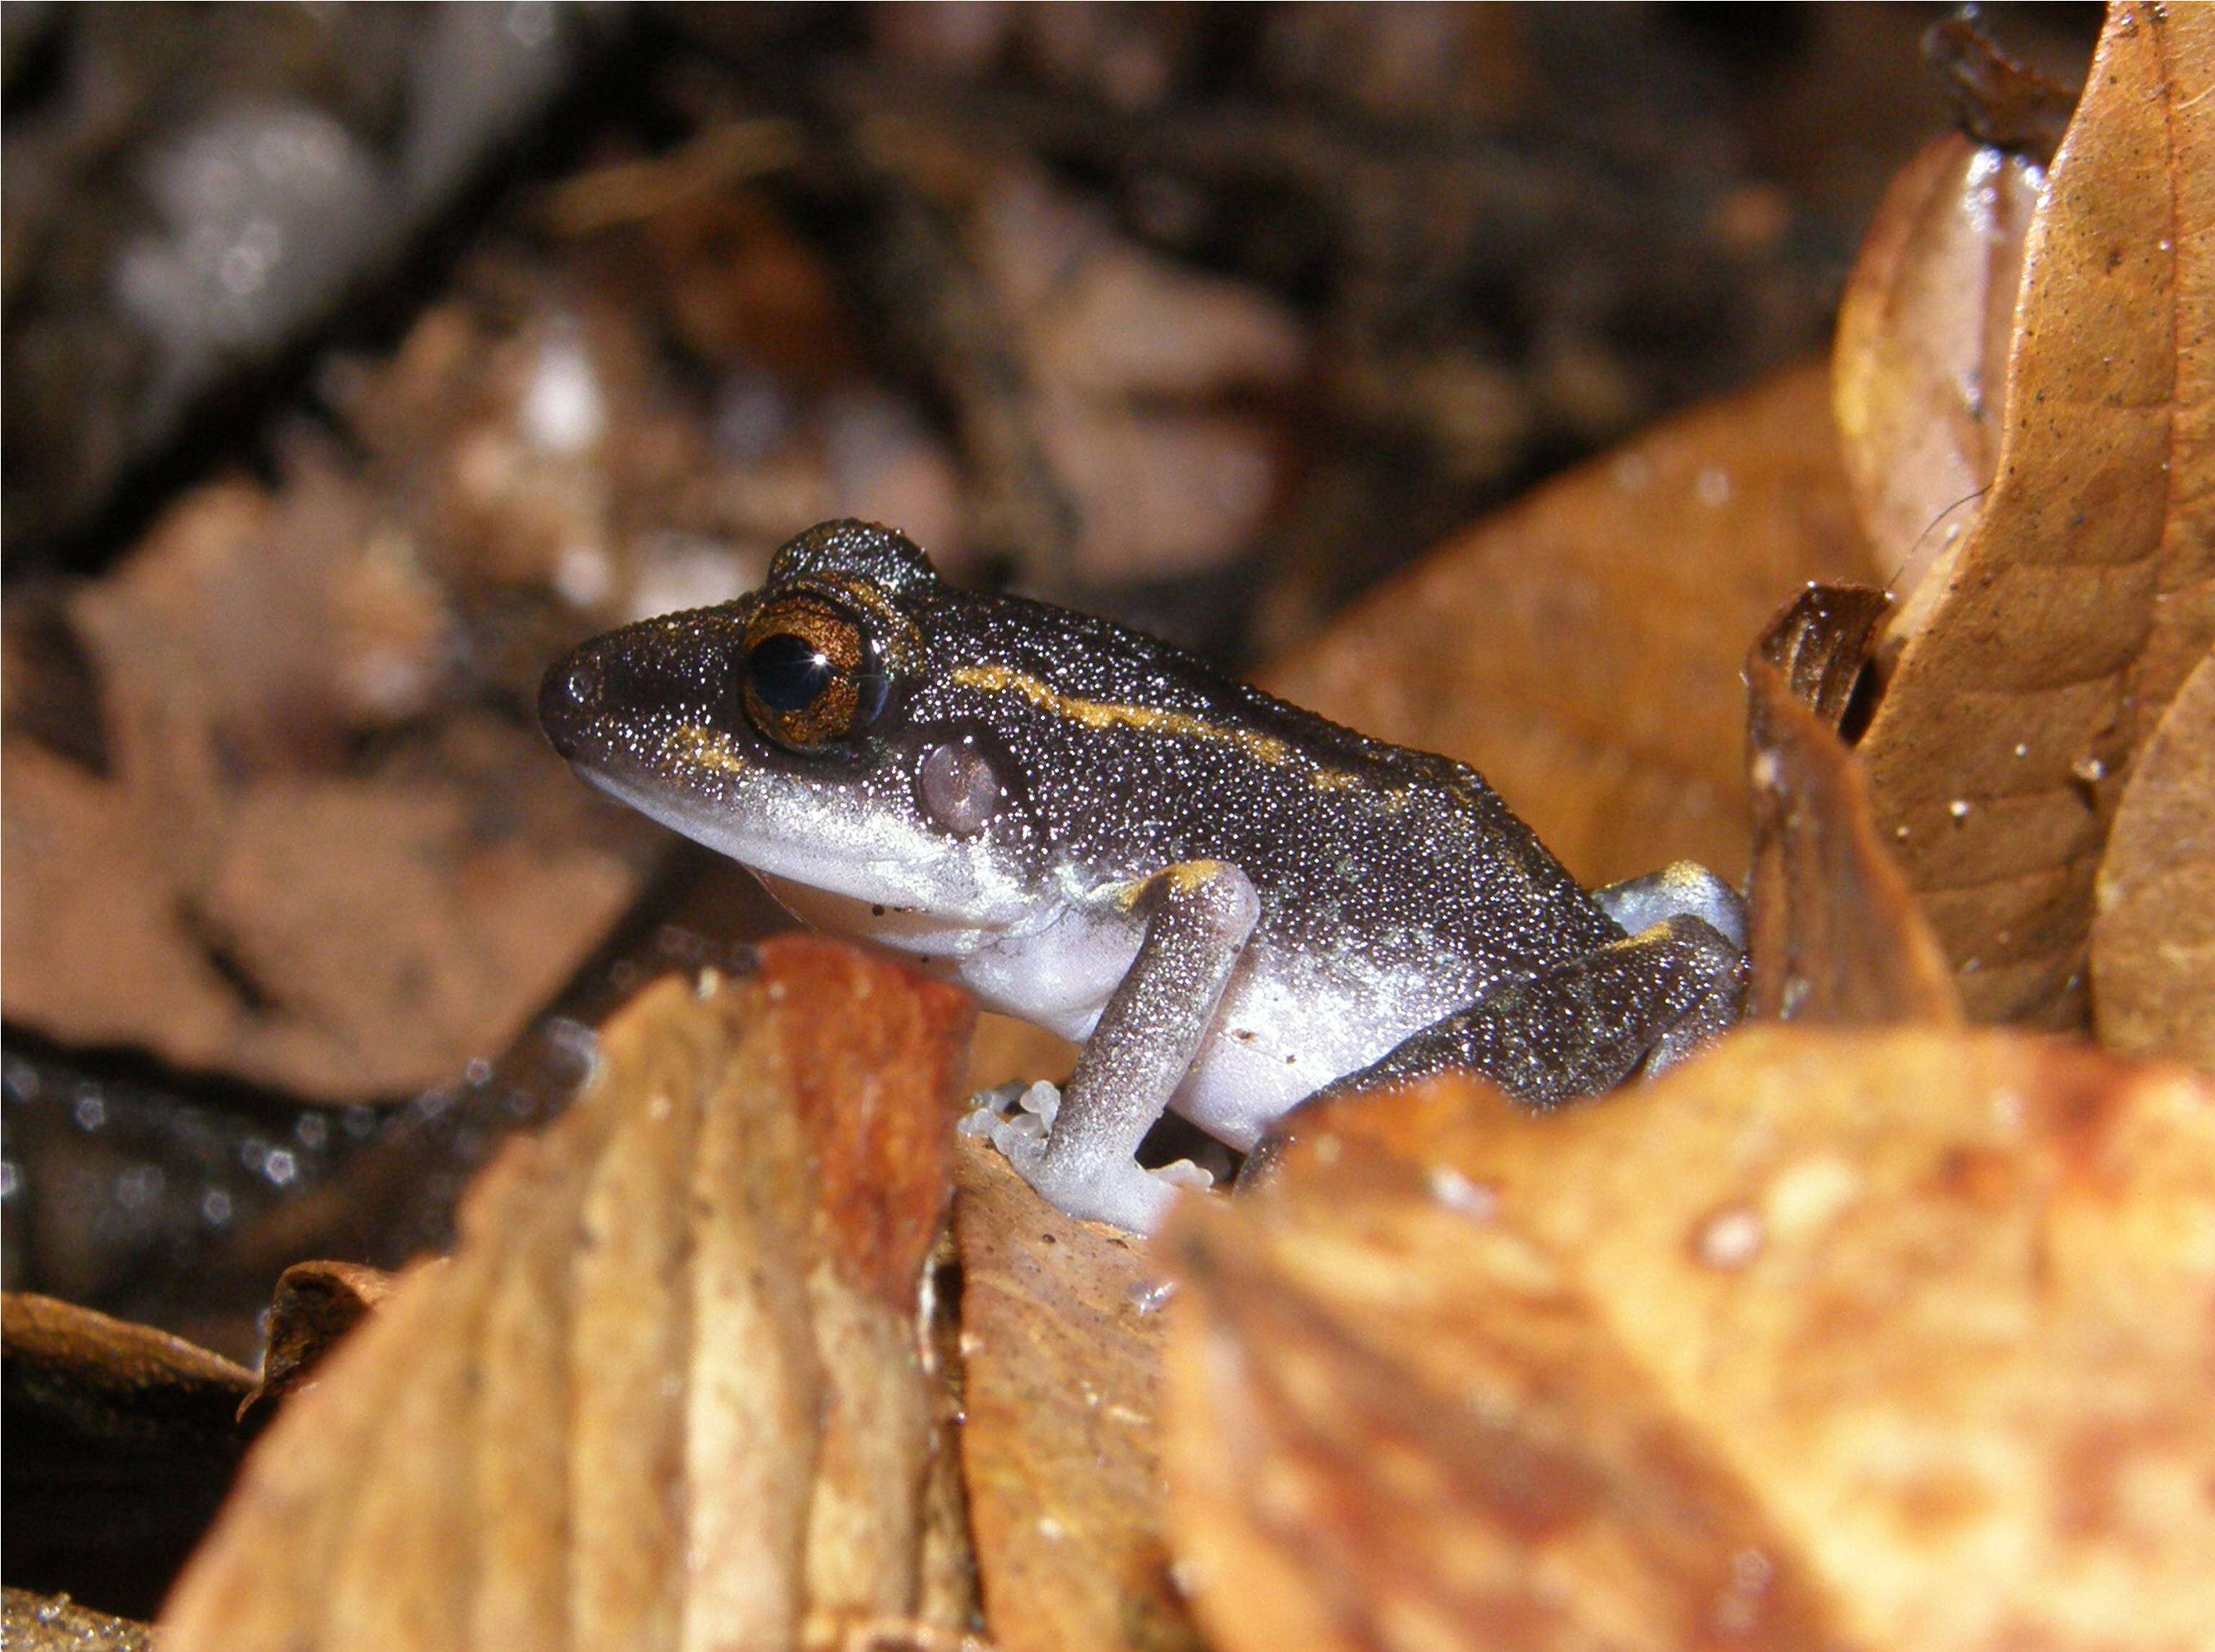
x,y
569,699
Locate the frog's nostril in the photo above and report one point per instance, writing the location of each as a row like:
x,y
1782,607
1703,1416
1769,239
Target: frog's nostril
x,y
581,685
568,695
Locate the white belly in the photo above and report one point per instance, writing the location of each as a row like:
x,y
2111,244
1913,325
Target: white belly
x,y
1286,1026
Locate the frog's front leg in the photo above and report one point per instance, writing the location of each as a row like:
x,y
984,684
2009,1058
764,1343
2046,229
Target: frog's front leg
x,y
1197,916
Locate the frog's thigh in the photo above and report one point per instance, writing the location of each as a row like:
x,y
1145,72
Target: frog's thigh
x,y
1587,1025
1683,889
1198,917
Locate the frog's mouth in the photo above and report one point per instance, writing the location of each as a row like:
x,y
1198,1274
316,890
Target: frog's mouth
x,y
642,714
839,837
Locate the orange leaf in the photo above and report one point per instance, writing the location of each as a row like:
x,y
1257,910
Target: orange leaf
x,y
1582,648
1851,1340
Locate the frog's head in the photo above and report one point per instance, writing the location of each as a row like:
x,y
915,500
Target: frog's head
x,y
783,729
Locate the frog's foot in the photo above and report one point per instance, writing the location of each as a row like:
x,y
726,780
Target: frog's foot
x,y
1115,1190
1682,889
1713,1013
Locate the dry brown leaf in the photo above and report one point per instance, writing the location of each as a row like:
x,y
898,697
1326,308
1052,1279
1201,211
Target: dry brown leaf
x,y
1834,931
1920,364
94,1366
2087,590
1881,1339
315,1304
1582,649
667,1391
1820,642
1062,1368
226,894
2153,938
1835,934
120,1442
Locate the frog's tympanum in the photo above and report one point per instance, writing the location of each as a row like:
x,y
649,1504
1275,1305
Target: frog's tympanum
x,y
1234,904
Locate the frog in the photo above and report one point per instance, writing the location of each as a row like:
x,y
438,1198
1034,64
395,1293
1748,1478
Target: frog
x,y
1237,908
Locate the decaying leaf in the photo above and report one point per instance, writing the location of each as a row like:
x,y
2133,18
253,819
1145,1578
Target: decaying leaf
x,y
2153,938
1832,1339
1835,934
315,1304
1820,644
1583,649
1918,372
1062,1368
121,1444
35,1623
667,1391
2086,589
225,891
1996,98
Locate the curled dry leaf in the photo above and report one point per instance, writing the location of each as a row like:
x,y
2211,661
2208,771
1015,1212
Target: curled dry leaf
x,y
1996,98
315,1304
2153,939
1583,649
1888,1339
1919,369
120,1444
667,1391
1835,932
1820,644
2086,590
1062,1369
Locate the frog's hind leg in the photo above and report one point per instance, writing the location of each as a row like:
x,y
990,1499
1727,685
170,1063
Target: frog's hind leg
x,y
1637,1004
1681,889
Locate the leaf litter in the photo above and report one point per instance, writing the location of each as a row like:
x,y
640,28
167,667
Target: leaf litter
x,y
2153,935
668,1390
1862,1336
1834,1338
2085,592
1833,931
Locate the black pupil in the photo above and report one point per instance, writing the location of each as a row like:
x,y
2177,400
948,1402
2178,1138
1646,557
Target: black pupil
x,y
789,672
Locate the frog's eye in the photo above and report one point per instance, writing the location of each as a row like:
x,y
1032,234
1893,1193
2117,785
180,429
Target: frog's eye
x,y
811,677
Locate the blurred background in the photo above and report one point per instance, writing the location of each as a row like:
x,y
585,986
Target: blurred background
x,y
359,358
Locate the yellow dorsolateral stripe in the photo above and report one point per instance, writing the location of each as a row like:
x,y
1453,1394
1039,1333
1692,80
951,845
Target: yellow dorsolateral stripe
x,y
1101,714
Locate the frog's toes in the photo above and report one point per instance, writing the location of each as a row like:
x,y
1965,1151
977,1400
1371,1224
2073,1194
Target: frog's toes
x,y
1018,1121
1183,1173
1020,1109
1119,1193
